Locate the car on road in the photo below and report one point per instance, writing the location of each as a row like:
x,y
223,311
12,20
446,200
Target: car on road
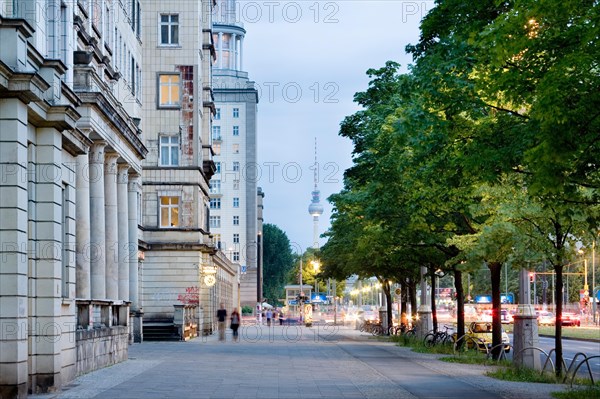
x,y
570,319
480,334
505,316
546,318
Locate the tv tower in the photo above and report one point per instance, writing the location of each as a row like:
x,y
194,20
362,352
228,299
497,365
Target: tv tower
x,y
315,208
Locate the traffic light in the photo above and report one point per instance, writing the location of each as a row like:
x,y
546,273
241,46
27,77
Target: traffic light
x,y
531,277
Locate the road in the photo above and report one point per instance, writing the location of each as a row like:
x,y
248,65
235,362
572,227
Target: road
x,y
291,362
571,348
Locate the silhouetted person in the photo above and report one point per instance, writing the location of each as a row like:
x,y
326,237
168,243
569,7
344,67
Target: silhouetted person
x,y
235,323
221,316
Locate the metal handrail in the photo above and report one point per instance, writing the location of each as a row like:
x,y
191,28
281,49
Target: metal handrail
x,y
586,360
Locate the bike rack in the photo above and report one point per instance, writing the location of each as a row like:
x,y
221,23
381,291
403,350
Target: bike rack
x,y
502,352
476,341
549,354
586,360
539,350
572,363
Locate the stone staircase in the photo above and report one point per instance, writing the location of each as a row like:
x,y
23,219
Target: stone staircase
x,y
161,331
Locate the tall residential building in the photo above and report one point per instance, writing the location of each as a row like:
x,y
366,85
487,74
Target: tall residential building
x,y
233,188
70,161
178,107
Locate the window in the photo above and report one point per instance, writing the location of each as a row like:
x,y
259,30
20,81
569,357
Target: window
x,y
236,220
215,186
236,238
218,114
236,130
215,203
169,212
236,184
217,148
65,241
218,167
236,148
169,29
214,222
169,150
236,202
216,133
236,112
236,166
168,89
236,256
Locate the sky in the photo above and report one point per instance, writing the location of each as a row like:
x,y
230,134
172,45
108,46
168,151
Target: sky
x,y
308,59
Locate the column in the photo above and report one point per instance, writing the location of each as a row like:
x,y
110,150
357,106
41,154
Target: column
x,y
233,52
112,226
132,193
126,250
13,248
241,53
220,53
525,334
83,228
49,280
97,222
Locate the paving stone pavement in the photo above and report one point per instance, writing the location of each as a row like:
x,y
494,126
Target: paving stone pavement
x,y
290,362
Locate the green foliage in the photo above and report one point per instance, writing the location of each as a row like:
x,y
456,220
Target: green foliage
x,y
247,310
277,262
523,374
578,393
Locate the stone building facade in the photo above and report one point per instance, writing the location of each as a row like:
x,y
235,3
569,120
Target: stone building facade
x,y
233,190
179,250
70,160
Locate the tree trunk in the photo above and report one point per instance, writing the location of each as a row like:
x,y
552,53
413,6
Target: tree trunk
x,y
388,302
558,325
496,269
433,305
460,306
404,304
413,301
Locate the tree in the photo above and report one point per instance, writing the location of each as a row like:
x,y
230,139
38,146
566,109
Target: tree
x,y
277,262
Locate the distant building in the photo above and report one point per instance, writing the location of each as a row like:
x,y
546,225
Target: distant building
x,y
70,160
233,189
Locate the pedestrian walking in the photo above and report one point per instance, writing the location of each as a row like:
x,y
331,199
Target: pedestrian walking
x,y
235,323
221,316
269,317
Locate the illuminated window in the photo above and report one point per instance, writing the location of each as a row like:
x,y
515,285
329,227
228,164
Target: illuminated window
x,y
169,150
169,212
236,148
217,240
168,89
169,29
217,148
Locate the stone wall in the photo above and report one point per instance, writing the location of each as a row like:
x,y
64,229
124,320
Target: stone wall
x,y
101,347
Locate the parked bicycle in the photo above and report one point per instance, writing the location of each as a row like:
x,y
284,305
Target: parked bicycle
x,y
439,337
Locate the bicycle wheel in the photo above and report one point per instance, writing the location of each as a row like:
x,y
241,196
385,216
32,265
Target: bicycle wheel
x,y
377,330
410,333
362,327
429,340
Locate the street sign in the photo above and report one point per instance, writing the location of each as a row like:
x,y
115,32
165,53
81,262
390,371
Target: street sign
x,y
398,291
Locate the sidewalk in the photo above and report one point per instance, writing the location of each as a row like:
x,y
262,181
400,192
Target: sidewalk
x,y
291,362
